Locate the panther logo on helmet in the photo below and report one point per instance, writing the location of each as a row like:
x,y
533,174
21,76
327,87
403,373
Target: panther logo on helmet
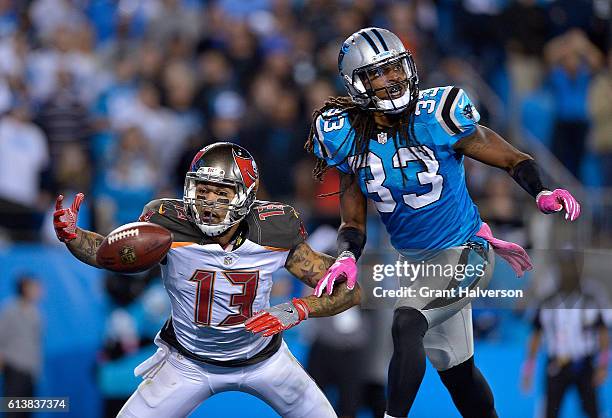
x,y
343,50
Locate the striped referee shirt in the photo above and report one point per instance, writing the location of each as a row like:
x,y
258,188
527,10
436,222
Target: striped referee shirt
x,y
569,323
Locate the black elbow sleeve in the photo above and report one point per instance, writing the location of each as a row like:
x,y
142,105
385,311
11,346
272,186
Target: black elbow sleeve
x,y
527,175
351,239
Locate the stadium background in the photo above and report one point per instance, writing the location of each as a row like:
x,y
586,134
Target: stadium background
x,y
112,98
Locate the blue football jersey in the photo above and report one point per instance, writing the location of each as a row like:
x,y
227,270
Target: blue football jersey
x,y
429,207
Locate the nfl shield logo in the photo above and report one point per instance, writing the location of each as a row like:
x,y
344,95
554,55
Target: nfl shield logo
x,y
382,138
228,260
127,255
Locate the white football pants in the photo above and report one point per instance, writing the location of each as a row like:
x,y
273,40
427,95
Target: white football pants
x,y
174,386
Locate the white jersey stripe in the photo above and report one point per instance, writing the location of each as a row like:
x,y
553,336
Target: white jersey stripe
x,y
439,111
454,107
319,138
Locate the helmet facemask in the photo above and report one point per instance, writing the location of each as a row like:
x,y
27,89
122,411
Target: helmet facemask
x,y
389,85
214,217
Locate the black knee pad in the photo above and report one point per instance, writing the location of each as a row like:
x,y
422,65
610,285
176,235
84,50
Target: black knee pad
x,y
409,326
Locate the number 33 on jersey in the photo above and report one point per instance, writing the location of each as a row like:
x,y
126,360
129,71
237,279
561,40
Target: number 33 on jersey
x,y
406,182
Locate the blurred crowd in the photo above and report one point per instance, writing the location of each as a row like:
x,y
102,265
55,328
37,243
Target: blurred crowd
x,y
113,98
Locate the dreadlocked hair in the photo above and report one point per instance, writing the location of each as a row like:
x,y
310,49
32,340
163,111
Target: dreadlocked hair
x,y
360,124
364,127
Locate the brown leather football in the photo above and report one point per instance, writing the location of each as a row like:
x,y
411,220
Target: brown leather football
x,y
134,247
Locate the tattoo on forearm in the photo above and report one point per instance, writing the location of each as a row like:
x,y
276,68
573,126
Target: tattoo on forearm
x,y
85,246
339,301
308,265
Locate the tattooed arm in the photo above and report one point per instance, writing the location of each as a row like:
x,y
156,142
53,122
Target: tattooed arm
x,y
486,146
85,246
81,243
309,266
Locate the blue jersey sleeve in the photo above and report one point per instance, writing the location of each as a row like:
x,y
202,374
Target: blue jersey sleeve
x,y
333,140
455,115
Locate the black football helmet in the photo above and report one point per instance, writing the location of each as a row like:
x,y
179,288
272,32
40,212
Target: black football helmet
x,y
222,164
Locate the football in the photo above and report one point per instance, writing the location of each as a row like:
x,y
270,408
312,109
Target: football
x,y
134,247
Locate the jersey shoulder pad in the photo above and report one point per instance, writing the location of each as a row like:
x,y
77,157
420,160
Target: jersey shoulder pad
x,y
450,110
275,225
170,213
333,138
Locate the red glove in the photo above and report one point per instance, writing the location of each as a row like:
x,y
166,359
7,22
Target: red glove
x,y
278,318
64,220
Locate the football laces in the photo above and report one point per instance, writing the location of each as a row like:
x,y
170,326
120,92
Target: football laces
x,y
130,233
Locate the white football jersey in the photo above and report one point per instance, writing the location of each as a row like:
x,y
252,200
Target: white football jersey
x,y
213,291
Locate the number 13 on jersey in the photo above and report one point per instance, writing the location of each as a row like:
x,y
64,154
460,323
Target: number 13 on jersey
x,y
205,293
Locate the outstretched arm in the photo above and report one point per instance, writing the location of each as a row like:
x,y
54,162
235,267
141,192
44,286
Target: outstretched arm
x,y
85,246
81,243
488,147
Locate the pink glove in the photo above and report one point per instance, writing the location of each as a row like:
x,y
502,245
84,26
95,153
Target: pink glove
x,y
344,266
557,200
513,253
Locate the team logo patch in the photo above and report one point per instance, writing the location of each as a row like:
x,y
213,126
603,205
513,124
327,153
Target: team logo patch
x,y
343,50
468,111
127,255
248,169
382,138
